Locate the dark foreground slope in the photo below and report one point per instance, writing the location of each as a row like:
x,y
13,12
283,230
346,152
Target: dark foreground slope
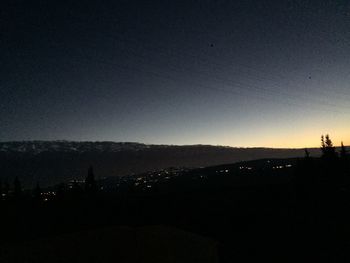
x,y
149,244
253,212
53,162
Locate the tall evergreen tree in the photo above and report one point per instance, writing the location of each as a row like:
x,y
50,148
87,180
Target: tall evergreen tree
x,y
323,145
90,182
327,148
307,153
343,151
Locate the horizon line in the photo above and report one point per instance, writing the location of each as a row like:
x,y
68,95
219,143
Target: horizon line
x,y
164,144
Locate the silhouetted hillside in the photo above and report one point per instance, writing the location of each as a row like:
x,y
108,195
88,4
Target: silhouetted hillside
x,y
53,162
117,244
281,210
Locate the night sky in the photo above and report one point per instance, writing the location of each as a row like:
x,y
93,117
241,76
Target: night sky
x,y
238,73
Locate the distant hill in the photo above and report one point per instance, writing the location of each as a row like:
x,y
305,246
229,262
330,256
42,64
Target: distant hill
x,y
51,162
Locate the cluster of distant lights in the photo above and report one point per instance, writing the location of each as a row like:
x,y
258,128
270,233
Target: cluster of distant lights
x,y
245,168
72,182
48,195
282,166
152,178
251,168
222,171
155,177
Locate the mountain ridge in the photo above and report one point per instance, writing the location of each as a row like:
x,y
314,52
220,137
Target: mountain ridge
x,y
37,146
52,162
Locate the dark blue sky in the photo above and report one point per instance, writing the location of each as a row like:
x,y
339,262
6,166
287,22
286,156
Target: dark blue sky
x,y
240,73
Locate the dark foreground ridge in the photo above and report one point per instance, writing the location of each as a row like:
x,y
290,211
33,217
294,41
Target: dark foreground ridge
x,y
280,210
151,244
52,162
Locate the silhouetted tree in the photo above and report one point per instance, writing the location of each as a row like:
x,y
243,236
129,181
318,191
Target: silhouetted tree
x,y
344,164
331,174
343,151
323,144
304,177
307,154
90,182
327,148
